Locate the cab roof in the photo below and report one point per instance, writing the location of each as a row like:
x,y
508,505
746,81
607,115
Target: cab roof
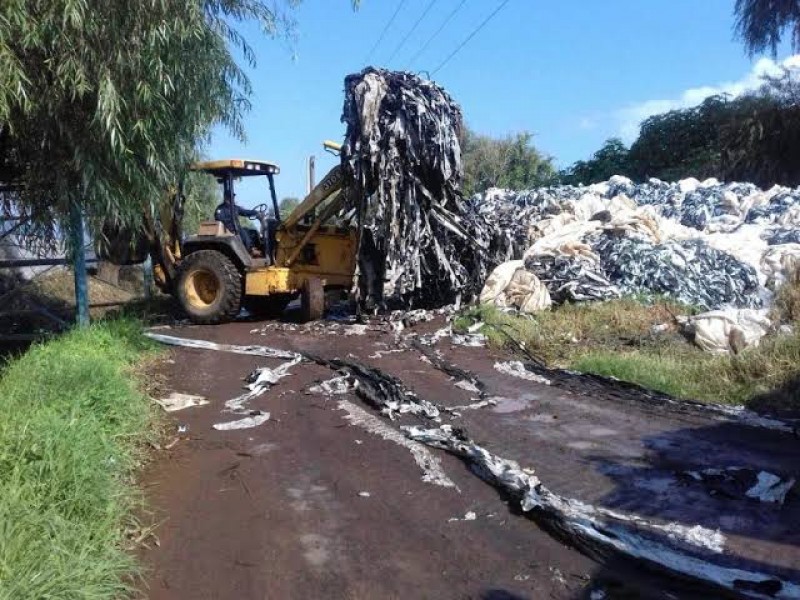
x,y
238,167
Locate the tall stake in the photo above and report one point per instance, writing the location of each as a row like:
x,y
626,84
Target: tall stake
x,y
79,266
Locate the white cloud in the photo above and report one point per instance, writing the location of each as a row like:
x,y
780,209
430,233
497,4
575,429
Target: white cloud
x,y
630,117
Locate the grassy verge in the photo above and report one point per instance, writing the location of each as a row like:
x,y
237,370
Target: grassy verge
x,y
71,434
638,342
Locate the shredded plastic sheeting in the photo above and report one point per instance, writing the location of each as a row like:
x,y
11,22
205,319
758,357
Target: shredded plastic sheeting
x,y
517,369
430,465
686,551
336,386
770,488
421,245
742,481
266,351
703,243
729,330
254,420
380,390
177,401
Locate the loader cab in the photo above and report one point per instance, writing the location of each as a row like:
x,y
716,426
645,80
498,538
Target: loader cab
x,y
259,241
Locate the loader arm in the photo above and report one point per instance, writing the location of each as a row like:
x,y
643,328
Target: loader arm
x,y
331,184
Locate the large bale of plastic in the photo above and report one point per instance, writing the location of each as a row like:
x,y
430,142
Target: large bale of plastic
x,y
511,285
421,245
726,331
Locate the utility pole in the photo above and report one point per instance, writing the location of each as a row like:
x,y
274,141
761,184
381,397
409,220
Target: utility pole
x,y
79,266
311,173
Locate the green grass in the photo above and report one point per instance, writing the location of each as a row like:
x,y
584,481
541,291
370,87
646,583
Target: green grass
x,y
617,339
72,432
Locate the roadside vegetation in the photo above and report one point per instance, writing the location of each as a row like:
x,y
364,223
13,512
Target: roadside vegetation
x,y
74,429
639,342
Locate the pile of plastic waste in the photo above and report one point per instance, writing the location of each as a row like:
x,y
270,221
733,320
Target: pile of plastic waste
x,y
709,245
421,244
706,244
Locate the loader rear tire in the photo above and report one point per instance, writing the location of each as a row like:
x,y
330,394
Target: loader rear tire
x,y
312,300
209,287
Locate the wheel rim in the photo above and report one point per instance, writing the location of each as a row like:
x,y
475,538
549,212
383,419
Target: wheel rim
x,y
202,288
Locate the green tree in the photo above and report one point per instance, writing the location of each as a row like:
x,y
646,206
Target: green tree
x,y
762,24
287,205
681,143
755,138
760,139
612,159
511,162
202,195
104,102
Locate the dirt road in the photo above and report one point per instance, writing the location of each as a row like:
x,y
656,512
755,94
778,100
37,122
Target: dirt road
x,y
328,499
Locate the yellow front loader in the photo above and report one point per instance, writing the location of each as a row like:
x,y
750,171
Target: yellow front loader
x,y
226,266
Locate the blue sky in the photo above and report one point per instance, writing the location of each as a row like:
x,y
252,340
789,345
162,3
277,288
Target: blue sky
x,y
573,72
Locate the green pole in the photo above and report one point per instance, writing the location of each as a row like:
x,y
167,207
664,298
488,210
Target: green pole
x,y
79,266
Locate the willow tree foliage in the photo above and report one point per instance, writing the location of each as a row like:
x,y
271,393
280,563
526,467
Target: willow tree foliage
x,y
103,102
762,24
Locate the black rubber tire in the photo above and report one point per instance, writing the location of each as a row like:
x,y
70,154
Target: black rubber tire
x,y
312,300
267,306
214,270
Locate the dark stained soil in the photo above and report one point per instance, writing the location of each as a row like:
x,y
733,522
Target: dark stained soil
x,y
313,505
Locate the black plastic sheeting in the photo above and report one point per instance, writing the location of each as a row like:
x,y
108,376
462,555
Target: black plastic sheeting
x,y
689,271
421,245
782,235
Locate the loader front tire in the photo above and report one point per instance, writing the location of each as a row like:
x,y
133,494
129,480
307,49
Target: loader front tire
x,y
209,287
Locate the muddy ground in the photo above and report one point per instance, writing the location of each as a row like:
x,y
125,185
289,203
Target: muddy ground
x,y
327,500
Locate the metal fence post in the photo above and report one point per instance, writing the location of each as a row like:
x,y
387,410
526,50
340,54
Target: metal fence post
x,y
79,266
147,276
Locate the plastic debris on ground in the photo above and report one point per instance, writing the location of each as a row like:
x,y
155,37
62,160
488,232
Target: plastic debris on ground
x,y
670,547
254,420
517,369
177,401
706,244
729,330
422,245
735,482
468,516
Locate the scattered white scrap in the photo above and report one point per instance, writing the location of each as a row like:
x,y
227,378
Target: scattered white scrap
x,y
265,351
515,368
247,423
469,340
177,401
467,385
260,381
335,386
430,465
472,406
468,516
355,329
